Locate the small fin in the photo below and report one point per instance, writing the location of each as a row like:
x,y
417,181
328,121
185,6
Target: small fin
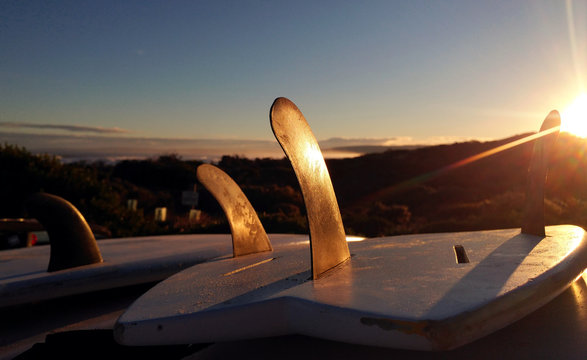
x,y
248,234
327,238
533,217
71,239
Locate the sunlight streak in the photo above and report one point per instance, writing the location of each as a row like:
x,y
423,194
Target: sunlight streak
x,y
436,173
573,40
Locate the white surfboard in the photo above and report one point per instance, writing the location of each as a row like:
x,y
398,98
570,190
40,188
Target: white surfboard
x,y
424,292
24,277
403,292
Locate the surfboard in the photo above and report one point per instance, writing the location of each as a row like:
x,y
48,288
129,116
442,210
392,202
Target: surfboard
x,y
556,330
78,264
402,292
24,277
421,292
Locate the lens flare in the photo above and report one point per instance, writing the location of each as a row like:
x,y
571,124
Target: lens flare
x,y
574,117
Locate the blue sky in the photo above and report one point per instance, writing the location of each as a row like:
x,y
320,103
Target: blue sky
x,y
381,71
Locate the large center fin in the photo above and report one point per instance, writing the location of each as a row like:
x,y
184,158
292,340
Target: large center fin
x,y
533,217
248,234
327,237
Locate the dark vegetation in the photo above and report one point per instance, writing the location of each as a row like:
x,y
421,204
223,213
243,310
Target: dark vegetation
x,y
395,192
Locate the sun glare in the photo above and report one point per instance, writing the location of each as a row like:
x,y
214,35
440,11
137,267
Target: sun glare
x,y
574,117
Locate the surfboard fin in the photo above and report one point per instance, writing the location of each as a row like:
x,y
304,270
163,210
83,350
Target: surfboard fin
x,y
71,239
533,216
328,244
248,234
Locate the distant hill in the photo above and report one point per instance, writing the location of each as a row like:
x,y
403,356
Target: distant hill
x,y
482,195
407,190
368,149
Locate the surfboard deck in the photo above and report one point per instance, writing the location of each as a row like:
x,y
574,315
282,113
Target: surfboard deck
x,y
127,261
555,331
402,292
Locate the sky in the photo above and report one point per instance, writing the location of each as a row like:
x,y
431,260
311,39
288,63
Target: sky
x,y
135,78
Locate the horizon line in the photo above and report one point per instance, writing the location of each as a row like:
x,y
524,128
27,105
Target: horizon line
x,y
115,148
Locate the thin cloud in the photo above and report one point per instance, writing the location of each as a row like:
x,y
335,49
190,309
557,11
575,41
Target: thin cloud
x,y
72,128
340,141
94,147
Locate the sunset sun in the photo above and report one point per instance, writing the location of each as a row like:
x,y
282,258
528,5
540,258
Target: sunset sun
x,y
574,117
